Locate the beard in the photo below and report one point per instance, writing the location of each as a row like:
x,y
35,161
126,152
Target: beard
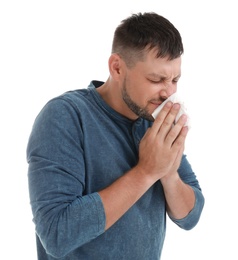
x,y
136,109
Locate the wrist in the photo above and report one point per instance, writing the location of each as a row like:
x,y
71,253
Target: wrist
x,y
144,175
170,179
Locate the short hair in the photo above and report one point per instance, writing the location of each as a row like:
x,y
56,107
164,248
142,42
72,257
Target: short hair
x,y
143,32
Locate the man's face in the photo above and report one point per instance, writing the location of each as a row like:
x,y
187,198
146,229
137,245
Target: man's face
x,y
149,83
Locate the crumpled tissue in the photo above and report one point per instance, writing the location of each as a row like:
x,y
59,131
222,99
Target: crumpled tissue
x,y
183,110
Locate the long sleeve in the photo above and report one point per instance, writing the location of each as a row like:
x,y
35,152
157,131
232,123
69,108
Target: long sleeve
x,y
187,175
78,146
64,217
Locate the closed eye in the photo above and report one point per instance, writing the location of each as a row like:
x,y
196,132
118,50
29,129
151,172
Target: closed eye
x,y
156,81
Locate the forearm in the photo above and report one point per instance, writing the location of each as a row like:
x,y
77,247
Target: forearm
x,y
123,194
64,228
180,197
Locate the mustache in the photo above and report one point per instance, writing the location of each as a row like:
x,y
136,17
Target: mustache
x,y
158,100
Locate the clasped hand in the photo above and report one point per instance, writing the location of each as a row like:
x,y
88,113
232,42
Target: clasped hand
x,y
162,146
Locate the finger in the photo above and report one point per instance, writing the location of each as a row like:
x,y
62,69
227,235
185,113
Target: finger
x,y
178,129
161,117
179,145
169,120
180,140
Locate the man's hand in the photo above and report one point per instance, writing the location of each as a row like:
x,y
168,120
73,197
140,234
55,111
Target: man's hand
x,y
162,146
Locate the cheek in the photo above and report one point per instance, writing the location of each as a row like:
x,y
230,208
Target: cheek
x,y
142,97
139,92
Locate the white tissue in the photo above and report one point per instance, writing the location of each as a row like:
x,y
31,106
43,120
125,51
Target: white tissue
x,y
183,110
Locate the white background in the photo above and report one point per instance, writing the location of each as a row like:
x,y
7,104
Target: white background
x,y
49,47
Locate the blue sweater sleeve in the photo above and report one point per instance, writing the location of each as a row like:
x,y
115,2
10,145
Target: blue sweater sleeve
x,y
187,175
64,216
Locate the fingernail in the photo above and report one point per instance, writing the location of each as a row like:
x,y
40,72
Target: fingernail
x,y
184,117
176,106
169,104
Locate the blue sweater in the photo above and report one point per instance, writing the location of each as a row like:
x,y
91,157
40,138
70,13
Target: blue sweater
x,y
78,146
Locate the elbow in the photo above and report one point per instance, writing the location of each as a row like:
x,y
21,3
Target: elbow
x,y
193,217
56,252
188,225
195,214
52,241
53,247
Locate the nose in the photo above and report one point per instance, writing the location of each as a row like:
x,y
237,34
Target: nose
x,y
168,89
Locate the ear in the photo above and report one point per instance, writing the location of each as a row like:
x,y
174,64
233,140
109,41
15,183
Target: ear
x,y
115,64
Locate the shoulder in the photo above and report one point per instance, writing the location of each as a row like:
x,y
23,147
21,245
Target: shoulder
x,y
74,101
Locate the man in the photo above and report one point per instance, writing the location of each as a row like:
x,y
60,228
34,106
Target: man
x,y
102,172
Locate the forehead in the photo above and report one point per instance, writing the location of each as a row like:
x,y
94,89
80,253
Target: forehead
x,y
151,65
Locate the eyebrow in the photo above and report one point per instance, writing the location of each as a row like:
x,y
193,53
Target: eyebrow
x,y
158,76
